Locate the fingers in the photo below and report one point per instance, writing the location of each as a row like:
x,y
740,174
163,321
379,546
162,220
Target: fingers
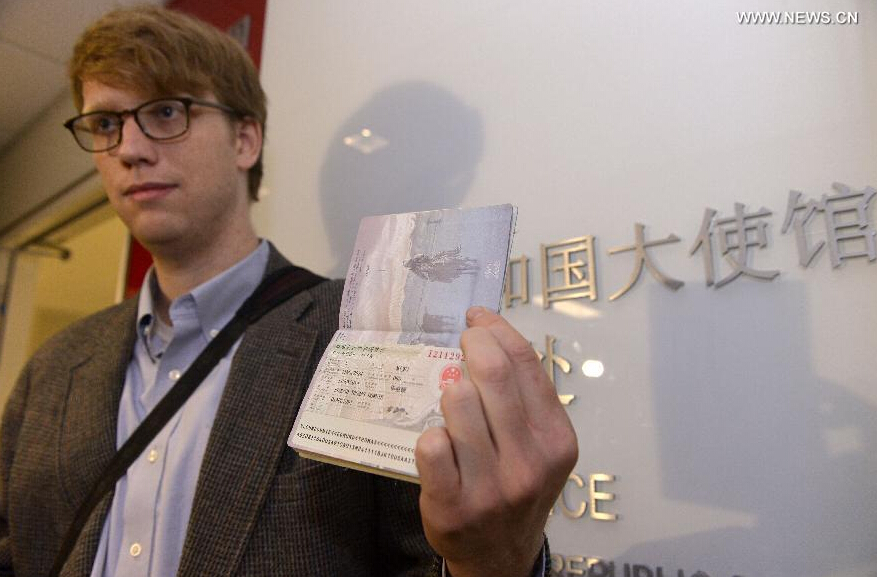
x,y
537,395
468,430
490,475
465,446
495,382
434,456
507,411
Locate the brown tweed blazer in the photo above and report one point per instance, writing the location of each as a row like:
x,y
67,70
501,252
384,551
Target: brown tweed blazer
x,y
259,509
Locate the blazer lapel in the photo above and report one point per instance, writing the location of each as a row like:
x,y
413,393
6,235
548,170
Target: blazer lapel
x,y
266,384
88,427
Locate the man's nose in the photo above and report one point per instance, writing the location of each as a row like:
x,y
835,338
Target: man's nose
x,y
135,147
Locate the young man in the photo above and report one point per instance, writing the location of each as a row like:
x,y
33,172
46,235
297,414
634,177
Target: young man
x,y
173,114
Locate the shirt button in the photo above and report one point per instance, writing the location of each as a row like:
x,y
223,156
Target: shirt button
x,y
213,333
135,550
174,375
152,456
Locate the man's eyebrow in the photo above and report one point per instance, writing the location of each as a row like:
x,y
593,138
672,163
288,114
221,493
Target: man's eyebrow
x,y
97,108
104,107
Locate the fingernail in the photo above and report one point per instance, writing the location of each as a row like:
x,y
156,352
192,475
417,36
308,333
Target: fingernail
x,y
474,312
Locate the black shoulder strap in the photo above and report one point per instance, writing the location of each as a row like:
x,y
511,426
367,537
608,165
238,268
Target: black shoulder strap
x,y
276,288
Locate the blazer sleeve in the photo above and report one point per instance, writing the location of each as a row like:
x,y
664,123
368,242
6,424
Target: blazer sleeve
x,y
403,544
13,416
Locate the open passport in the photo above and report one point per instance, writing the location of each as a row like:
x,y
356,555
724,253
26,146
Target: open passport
x,y
411,278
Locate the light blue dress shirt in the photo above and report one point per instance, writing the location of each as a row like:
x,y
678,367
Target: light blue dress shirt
x,y
146,526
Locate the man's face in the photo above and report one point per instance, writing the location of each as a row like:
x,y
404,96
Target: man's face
x,y
177,194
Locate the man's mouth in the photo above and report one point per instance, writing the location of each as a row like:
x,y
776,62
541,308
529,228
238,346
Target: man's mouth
x,y
148,190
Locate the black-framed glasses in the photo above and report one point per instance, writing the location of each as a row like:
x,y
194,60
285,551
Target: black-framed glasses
x,y
159,119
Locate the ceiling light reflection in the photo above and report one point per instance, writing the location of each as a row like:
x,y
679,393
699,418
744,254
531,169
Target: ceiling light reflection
x,y
365,141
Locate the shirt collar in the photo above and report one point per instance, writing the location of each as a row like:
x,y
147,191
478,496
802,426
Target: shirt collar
x,y
146,320
215,301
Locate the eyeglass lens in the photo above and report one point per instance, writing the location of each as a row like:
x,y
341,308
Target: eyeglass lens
x,y
159,120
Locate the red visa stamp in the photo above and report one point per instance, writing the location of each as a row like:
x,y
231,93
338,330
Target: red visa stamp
x,y
450,374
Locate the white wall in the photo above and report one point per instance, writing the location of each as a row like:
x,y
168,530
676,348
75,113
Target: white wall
x,y
739,421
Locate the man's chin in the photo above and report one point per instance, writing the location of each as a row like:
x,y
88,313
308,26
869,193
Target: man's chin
x,y
157,240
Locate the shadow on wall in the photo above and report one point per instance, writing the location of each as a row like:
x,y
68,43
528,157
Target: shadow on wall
x,y
746,424
412,146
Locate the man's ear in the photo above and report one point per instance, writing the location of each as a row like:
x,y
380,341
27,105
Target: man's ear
x,y
248,142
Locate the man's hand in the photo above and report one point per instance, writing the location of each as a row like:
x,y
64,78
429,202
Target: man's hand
x,y
491,475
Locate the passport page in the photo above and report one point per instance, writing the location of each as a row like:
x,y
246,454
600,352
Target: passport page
x,y
410,281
